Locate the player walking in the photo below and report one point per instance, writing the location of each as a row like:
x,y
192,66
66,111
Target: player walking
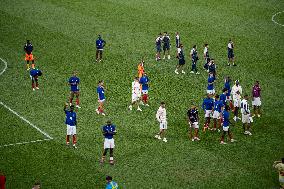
x,y
101,98
231,53
206,57
177,40
144,81
256,98
28,48
207,106
136,94
226,123
74,82
34,74
246,117
194,59
166,45
158,47
192,115
181,60
236,92
161,116
210,86
100,43
109,130
218,107
71,122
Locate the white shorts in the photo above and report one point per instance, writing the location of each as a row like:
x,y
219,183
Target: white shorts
x,y
211,91
135,97
109,143
144,91
256,101
71,130
237,103
101,100
208,113
226,128
195,125
164,125
245,118
216,115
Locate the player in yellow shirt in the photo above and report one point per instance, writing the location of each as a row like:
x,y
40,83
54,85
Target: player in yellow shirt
x,y
279,165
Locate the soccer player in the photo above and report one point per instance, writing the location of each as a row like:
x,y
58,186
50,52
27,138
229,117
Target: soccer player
x,y
181,60
236,92
101,98
218,107
246,117
100,43
227,85
36,185
166,45
109,130
210,86
111,184
28,48
2,180
161,117
279,165
226,123
144,81
192,115
140,68
194,59
206,56
34,74
256,98
231,53
74,82
223,96
177,40
212,67
136,94
158,47
207,106
71,122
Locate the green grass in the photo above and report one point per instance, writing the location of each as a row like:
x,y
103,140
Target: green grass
x,y
64,34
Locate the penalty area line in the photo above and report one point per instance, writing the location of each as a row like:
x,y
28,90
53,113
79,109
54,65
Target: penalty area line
x,y
22,143
276,15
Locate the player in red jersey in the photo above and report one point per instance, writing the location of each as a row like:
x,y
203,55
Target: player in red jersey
x,y
2,180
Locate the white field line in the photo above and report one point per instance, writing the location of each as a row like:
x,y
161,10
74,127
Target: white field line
x,y
274,20
22,118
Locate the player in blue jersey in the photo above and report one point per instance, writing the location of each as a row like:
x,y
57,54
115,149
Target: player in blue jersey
x,y
225,124
206,56
101,98
100,44
218,107
158,43
144,81
181,60
231,56
166,45
109,130
28,48
210,86
177,40
227,85
193,118
34,74
74,82
71,122
223,96
207,106
194,58
110,183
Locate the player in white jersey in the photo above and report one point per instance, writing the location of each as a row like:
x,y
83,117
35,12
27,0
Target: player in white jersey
x,y
246,116
161,116
136,94
236,92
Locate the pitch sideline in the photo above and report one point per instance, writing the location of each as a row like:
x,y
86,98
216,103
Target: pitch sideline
x,y
22,118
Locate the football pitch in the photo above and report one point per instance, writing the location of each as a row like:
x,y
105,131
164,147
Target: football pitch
x,y
63,33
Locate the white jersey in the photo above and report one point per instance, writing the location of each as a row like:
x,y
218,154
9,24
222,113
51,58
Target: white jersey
x,y
230,45
161,114
234,91
205,51
245,107
136,88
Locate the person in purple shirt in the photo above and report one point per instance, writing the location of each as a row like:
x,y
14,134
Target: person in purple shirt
x,y
256,98
101,98
74,89
226,123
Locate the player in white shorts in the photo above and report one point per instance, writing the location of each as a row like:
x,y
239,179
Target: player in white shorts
x,y
192,115
161,116
136,94
246,117
236,92
256,102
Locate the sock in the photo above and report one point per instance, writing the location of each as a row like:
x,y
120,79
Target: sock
x,y
111,158
215,123
146,98
77,101
28,66
222,138
67,139
33,85
36,84
100,109
74,139
33,65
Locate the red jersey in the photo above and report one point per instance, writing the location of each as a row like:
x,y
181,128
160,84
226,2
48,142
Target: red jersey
x,y
2,181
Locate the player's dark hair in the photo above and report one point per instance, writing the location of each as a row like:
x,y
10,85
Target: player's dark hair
x,y
180,45
283,160
206,44
72,107
109,122
194,46
166,32
162,103
108,177
160,33
216,96
100,81
227,107
225,89
36,183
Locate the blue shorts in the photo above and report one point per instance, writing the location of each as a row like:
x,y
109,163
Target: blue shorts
x,y
231,54
158,48
166,47
181,61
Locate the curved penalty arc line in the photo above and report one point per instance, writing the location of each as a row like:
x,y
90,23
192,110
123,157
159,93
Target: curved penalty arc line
x,y
274,17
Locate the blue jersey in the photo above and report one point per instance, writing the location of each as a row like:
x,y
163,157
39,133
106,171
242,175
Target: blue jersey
x,y
144,82
210,85
101,92
223,98
212,68
28,48
111,185
218,105
166,41
228,86
226,118
109,131
71,118
74,82
207,104
158,42
35,72
100,43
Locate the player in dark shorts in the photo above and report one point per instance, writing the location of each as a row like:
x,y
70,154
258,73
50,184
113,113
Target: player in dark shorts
x,y
231,56
194,59
100,44
166,45
158,47
192,115
28,48
181,60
